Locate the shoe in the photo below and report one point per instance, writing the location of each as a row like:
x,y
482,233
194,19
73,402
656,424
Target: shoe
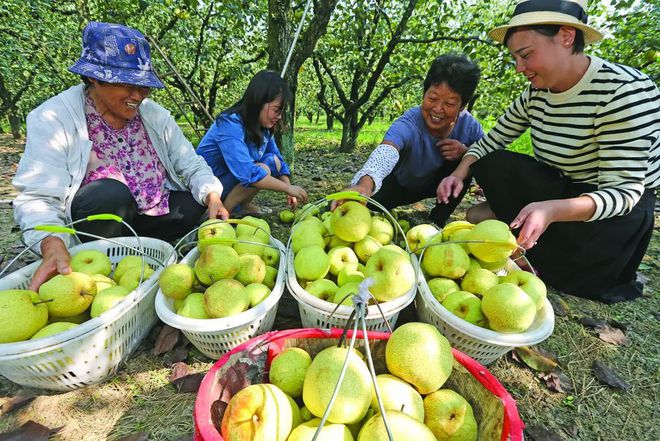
x,y
239,212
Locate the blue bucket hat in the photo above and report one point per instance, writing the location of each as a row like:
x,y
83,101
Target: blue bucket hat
x,y
115,54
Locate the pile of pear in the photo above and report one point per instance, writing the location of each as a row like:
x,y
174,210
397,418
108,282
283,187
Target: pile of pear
x,y
335,250
235,271
466,273
412,388
67,300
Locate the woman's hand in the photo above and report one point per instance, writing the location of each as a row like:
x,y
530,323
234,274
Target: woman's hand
x,y
56,260
451,149
295,194
364,187
533,220
216,209
449,186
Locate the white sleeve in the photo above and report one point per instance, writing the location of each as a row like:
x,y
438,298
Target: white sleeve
x,y
380,164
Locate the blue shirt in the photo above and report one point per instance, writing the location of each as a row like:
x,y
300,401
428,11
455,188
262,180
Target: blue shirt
x,y
420,159
232,157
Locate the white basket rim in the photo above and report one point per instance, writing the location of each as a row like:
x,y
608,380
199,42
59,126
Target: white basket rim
x,y
540,329
227,323
7,350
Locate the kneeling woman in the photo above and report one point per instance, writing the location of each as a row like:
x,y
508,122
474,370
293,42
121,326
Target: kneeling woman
x,y
583,206
241,149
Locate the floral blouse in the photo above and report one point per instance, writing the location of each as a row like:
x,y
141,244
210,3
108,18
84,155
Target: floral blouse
x,y
128,156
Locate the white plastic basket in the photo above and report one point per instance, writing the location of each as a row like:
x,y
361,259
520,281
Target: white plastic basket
x,y
215,337
92,351
484,345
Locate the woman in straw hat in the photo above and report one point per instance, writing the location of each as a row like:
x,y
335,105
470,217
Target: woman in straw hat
x,y
104,147
583,205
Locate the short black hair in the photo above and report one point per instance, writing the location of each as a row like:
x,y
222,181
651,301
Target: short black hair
x,y
263,88
460,74
549,30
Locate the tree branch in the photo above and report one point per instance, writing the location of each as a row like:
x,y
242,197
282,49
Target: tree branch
x,y
443,38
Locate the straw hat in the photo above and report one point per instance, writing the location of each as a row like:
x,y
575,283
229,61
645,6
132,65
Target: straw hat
x,y
561,12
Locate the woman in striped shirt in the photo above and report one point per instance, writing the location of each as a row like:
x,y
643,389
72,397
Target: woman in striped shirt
x,y
583,206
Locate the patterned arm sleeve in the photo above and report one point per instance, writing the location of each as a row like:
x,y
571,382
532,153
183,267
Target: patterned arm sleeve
x,y
380,164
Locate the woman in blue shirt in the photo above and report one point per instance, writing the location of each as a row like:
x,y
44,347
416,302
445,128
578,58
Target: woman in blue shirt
x,y
241,149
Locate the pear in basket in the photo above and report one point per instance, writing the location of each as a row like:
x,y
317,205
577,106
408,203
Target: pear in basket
x,y
213,231
500,242
402,426
193,306
259,412
225,298
398,249
392,273
329,432
253,226
324,289
351,221
91,262
21,315
396,394
440,287
311,263
68,295
177,280
418,235
52,329
107,298
132,277
530,283
508,308
450,416
124,264
253,269
102,282
445,260
350,274
217,262
271,256
288,370
306,234
381,230
366,248
417,353
340,257
257,293
465,305
479,281
271,277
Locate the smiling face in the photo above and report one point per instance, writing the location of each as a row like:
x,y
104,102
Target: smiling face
x,y
440,109
271,113
117,103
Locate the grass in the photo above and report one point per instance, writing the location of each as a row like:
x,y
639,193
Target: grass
x,y
140,399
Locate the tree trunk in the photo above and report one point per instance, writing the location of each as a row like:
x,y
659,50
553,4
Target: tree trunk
x,y
349,131
329,121
15,123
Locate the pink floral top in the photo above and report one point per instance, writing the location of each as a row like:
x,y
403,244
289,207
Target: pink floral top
x,y
128,156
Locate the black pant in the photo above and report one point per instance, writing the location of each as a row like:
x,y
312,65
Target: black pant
x,y
111,196
596,260
392,194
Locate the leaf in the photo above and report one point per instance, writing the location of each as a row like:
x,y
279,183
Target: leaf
x,y
178,370
176,355
608,376
29,431
591,322
536,433
557,381
612,335
189,383
217,411
16,402
538,359
166,340
140,436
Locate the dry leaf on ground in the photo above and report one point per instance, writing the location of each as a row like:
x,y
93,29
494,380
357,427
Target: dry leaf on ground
x,y
16,402
557,381
612,335
538,359
166,340
178,370
608,376
189,383
29,431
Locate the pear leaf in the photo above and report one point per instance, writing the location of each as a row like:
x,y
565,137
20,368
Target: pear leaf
x,y
178,370
608,376
166,340
557,381
536,358
16,402
612,335
189,383
29,431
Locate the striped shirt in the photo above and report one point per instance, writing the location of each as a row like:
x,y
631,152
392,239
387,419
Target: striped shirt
x,y
604,131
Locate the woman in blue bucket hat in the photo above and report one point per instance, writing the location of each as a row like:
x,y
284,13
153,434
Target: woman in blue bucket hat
x,y
104,147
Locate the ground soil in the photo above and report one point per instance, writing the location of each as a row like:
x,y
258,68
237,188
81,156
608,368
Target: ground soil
x,y
139,400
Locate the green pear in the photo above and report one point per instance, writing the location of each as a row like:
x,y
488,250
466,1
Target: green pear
x,y
21,315
251,244
453,227
226,297
271,277
102,282
305,414
448,260
252,270
251,225
403,428
381,230
329,432
288,370
108,298
450,416
296,418
52,329
344,295
418,354
178,303
479,281
530,283
287,216
91,262
508,308
440,287
271,256
176,281
125,263
335,241
398,249
340,257
132,277
257,293
217,262
492,266
354,395
465,305
418,235
499,243
366,248
306,234
324,289
392,273
311,263
215,232
474,264
77,319
349,274
68,295
193,306
351,221
396,394
404,224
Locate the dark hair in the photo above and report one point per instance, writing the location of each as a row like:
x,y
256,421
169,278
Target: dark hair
x,y
263,88
549,30
88,81
460,74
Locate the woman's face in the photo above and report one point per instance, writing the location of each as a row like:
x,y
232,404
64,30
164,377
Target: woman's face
x,y
118,103
541,58
271,113
441,106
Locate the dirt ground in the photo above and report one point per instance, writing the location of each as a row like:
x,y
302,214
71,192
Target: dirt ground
x,y
139,402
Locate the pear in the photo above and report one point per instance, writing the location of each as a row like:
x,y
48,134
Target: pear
x,y
465,305
217,262
329,432
311,263
257,293
133,276
252,270
450,416
448,260
324,289
403,428
125,263
500,242
102,282
440,287
107,298
52,329
20,317
193,306
306,234
417,353
479,281
226,297
214,232
396,394
271,277
68,295
176,281
351,221
288,370
508,308
349,274
91,262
